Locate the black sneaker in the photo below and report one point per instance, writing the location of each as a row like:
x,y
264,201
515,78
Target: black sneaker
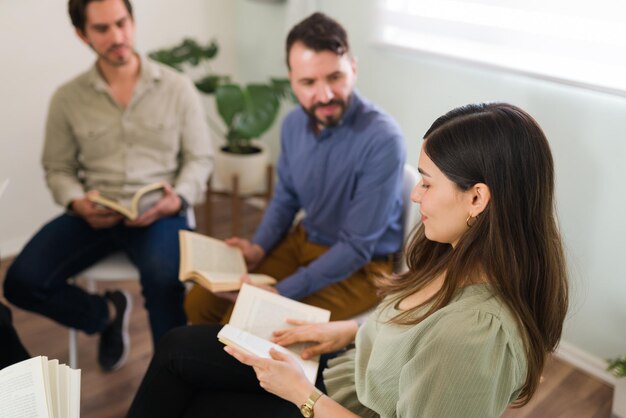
x,y
114,340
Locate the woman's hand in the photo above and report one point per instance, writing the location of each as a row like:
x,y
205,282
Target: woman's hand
x,y
280,375
329,337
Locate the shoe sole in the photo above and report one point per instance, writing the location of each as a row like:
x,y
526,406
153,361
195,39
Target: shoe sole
x,y
125,334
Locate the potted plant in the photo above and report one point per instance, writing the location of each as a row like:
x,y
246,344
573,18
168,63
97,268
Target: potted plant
x,y
247,112
617,366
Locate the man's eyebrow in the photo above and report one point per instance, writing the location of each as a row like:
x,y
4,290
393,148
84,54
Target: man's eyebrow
x,y
422,172
99,25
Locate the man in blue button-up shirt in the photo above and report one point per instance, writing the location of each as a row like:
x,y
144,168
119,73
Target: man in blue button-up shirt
x,y
341,161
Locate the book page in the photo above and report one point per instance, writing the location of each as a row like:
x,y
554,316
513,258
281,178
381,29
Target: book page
x,y
63,390
46,380
259,347
261,312
105,202
248,342
53,385
22,390
146,197
74,392
206,254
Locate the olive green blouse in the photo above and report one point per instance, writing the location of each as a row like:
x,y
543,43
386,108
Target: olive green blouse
x,y
466,360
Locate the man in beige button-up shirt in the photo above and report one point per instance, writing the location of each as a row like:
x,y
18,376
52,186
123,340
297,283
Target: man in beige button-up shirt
x,y
125,123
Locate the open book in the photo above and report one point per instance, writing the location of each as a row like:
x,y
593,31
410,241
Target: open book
x,y
213,264
41,388
142,200
258,313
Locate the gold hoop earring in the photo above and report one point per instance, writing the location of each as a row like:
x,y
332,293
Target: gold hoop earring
x,y
467,221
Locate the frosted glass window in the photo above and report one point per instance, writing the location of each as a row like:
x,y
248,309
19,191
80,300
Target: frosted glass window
x,y
571,41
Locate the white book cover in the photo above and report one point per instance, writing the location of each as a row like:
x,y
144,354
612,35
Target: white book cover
x,y
258,313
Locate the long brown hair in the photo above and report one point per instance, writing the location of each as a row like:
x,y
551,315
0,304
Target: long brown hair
x,y
514,243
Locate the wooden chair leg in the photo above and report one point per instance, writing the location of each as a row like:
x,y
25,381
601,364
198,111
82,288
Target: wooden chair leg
x,y
208,213
236,207
269,185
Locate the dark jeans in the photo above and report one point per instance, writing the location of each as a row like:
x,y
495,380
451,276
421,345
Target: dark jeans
x,y
38,278
191,376
11,348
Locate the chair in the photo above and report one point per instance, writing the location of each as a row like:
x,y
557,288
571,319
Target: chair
x,y
410,211
410,216
114,267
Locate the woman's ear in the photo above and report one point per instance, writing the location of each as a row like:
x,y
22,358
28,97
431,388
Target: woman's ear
x,y
480,195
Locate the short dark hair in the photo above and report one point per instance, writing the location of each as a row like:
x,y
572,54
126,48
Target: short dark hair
x,y
319,33
77,10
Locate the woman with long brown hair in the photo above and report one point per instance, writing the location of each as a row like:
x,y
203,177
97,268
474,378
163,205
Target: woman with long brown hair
x,y
464,333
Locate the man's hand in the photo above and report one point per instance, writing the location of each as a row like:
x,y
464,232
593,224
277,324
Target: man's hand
x,y
96,216
168,205
252,253
329,337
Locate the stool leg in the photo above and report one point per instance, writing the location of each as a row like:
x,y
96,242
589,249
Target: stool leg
x,y
73,349
208,213
269,185
73,335
236,207
91,285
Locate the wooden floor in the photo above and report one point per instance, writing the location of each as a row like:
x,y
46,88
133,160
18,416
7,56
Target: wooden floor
x,y
565,392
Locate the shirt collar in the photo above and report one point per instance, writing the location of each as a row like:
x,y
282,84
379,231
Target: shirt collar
x,y
149,72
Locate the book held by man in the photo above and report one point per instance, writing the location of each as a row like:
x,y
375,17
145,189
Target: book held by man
x,y
142,200
213,264
258,313
40,388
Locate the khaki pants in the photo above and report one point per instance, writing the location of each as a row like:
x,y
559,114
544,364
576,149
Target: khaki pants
x,y
344,299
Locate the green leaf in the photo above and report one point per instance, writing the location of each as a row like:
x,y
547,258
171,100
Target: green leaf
x,y
210,83
248,112
282,88
230,101
617,366
259,113
188,51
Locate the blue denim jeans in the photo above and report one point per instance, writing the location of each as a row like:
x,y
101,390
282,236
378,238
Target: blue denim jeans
x,y
38,278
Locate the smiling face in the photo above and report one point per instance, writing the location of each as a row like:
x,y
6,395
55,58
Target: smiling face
x,y
443,205
322,82
109,31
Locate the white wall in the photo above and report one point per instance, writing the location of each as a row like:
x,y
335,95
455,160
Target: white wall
x,y
587,131
39,52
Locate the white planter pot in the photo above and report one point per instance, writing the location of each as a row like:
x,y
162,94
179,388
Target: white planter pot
x,y
619,398
250,169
